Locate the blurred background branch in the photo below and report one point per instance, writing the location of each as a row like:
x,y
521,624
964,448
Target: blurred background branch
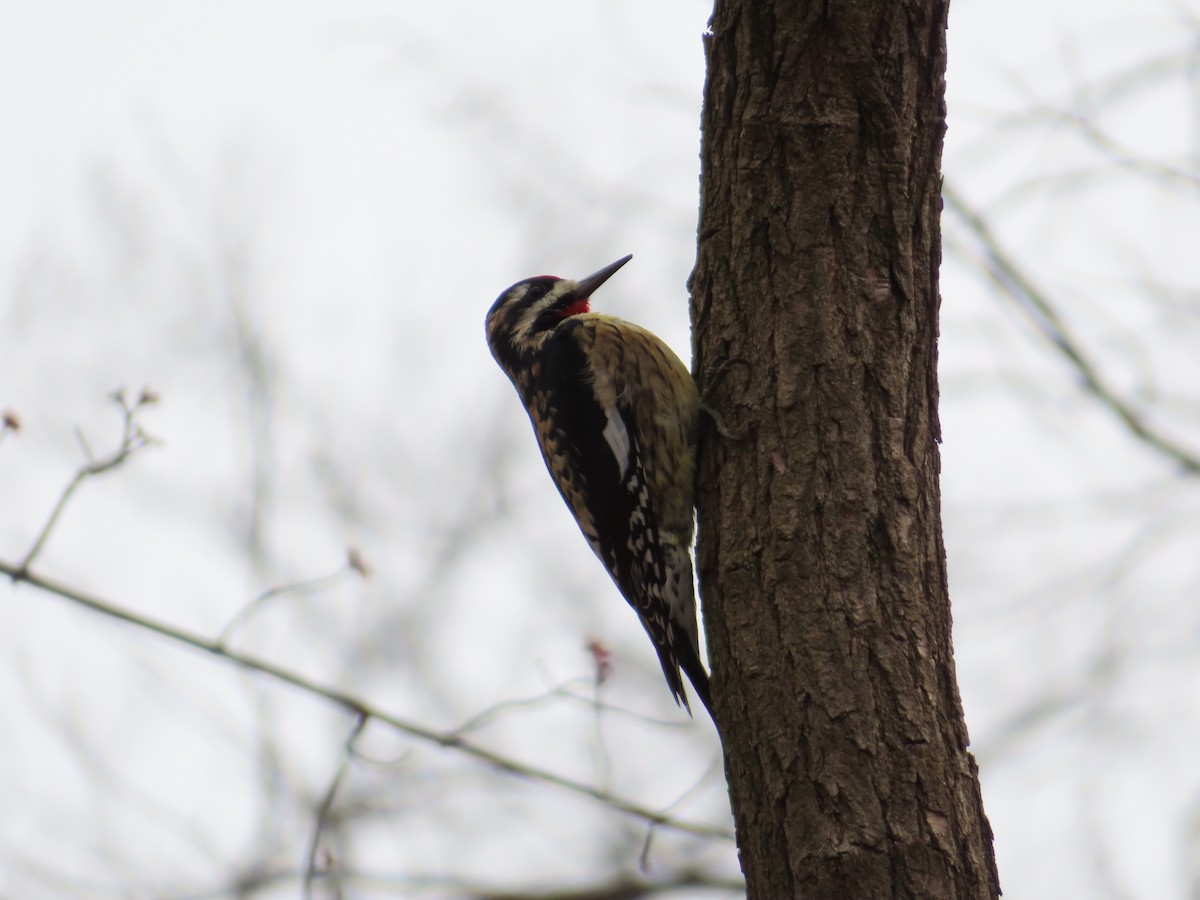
x,y
297,247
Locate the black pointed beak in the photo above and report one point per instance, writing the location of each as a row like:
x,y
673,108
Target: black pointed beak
x,y
587,285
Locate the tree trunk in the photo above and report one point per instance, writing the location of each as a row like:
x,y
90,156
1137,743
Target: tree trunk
x,y
820,553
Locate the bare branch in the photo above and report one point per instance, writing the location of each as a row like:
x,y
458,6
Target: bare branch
x,y
624,889
693,882
644,857
1126,158
353,563
1009,277
133,439
484,716
326,804
562,691
360,708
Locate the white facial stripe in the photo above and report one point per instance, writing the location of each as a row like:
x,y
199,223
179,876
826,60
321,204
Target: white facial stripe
x,y
529,315
618,439
525,322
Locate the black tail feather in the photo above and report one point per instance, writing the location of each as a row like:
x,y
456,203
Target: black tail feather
x,y
690,663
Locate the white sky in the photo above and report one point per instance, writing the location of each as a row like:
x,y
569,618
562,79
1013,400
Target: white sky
x,y
374,174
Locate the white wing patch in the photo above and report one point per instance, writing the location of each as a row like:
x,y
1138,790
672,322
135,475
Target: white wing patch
x,y
617,436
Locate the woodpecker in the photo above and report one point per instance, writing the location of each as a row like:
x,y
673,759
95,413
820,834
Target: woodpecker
x,y
615,415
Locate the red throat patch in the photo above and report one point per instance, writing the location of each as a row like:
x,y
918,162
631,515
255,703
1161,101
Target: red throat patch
x,y
579,306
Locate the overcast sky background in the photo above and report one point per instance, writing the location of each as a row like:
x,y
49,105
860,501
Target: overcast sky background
x,y
290,219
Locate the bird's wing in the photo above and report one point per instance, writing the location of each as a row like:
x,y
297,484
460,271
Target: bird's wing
x,y
607,482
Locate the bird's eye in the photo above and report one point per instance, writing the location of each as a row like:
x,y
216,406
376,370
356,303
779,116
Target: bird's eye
x,y
535,292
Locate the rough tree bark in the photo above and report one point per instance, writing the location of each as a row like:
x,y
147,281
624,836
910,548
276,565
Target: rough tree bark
x,y
820,552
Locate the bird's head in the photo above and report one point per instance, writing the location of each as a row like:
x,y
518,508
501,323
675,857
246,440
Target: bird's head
x,y
525,314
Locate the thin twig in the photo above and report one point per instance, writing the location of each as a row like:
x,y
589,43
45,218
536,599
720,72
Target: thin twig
x,y
299,587
310,868
1000,267
481,718
133,439
644,857
359,707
